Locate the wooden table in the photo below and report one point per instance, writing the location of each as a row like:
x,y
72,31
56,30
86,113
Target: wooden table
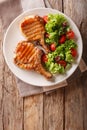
x,y
63,109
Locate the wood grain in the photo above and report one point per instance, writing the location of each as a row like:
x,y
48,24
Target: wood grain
x,y
56,4
84,86
74,93
73,107
54,110
13,104
12,114
1,79
33,113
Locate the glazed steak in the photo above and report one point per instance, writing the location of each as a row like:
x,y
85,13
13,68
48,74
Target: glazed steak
x,y
28,56
33,29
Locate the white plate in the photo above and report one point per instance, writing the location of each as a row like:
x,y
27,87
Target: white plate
x,y
13,36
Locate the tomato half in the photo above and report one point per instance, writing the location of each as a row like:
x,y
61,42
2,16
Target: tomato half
x,y
62,62
62,39
70,34
44,58
53,47
73,52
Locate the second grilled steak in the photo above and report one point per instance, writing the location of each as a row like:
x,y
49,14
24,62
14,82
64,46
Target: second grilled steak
x,y
33,29
28,56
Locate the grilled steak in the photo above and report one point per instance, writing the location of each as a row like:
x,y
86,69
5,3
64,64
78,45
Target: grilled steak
x,y
28,56
33,29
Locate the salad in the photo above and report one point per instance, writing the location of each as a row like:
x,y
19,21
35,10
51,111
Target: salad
x,y
60,38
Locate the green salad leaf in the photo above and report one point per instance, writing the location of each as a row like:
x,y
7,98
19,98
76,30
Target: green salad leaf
x,y
64,52
55,68
56,27
53,38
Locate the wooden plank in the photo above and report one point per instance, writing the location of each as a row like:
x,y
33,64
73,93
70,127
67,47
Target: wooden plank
x,y
13,104
54,102
14,9
54,110
84,86
1,79
74,118
56,4
73,106
12,114
33,113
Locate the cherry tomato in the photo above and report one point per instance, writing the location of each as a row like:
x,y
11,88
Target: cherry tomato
x,y
62,39
70,34
44,58
73,52
62,62
45,18
53,47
